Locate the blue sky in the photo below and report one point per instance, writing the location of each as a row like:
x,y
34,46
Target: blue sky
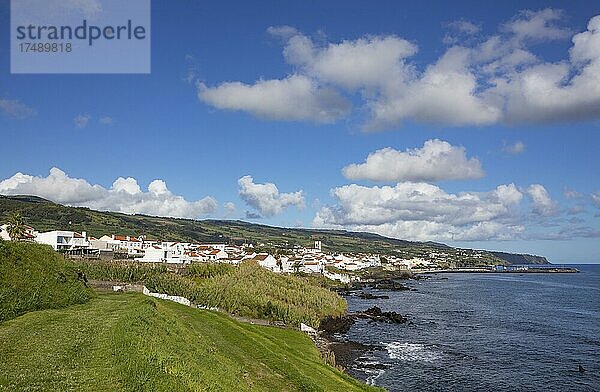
x,y
290,94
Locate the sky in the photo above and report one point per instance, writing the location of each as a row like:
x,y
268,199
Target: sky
x,y
471,124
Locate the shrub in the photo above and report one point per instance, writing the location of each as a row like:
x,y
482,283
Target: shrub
x,y
34,277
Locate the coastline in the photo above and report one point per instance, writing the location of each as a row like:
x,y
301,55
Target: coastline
x,y
527,270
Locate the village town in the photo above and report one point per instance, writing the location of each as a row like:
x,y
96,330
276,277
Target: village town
x,y
310,260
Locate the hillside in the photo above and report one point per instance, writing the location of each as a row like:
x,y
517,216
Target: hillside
x,y
58,335
131,342
246,290
34,277
45,215
521,258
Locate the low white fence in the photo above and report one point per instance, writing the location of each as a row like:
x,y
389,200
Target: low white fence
x,y
174,298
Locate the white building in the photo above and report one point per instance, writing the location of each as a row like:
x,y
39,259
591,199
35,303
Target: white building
x,y
28,235
132,245
63,240
267,261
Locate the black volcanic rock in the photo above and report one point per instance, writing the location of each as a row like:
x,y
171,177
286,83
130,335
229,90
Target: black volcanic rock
x,y
330,325
376,314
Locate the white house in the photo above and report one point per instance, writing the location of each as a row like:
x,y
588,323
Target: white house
x,y
63,240
167,252
267,261
311,265
132,245
28,235
215,246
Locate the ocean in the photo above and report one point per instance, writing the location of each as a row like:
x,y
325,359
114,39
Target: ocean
x,y
485,332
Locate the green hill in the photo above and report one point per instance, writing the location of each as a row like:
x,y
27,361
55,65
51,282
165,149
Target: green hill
x,y
134,343
34,277
58,335
45,215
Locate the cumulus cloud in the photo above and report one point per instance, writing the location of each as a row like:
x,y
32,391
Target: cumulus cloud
x,y
537,25
561,91
437,160
368,62
516,148
424,212
477,81
81,120
542,203
266,198
296,97
229,209
125,195
14,108
445,93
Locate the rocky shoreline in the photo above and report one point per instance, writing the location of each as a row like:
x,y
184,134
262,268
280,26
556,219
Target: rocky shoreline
x,y
342,353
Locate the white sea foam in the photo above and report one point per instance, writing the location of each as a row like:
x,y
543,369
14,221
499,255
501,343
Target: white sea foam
x,y
374,375
411,352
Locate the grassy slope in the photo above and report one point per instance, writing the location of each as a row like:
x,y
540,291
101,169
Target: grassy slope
x,y
34,277
246,290
136,343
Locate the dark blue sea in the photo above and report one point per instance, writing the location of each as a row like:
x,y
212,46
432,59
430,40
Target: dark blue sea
x,y
486,332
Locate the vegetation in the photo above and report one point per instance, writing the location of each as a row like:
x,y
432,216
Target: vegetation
x,y
45,215
34,277
246,290
16,226
134,343
78,340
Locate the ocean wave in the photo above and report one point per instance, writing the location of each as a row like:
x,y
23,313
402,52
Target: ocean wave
x,y
411,352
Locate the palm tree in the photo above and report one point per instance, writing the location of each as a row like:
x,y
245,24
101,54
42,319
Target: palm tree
x,y
16,227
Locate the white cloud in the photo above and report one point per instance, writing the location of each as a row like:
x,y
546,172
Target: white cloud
x,y
128,185
106,120
460,29
229,209
125,195
368,62
14,108
81,120
464,26
266,198
296,97
437,160
446,93
542,203
537,25
475,82
561,91
283,32
516,148
424,212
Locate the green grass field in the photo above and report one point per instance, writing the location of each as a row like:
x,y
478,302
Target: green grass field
x,y
58,335
135,343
